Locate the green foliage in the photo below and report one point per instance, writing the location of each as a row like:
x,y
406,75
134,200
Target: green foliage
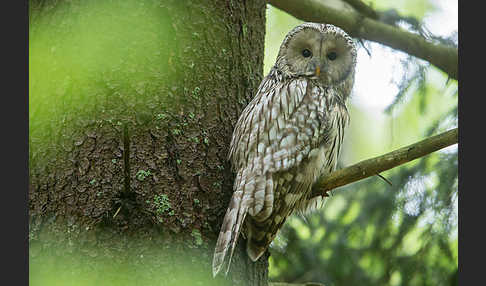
x,y
371,233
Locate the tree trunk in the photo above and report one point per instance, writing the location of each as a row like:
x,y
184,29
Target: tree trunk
x,y
129,178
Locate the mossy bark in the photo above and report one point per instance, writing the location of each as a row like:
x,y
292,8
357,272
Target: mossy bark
x,y
131,177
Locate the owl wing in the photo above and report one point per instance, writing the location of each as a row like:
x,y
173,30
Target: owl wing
x,y
275,132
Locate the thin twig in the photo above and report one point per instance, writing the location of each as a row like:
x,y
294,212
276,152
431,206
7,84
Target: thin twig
x,y
385,179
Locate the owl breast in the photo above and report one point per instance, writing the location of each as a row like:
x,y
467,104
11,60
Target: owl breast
x,y
287,132
318,124
323,159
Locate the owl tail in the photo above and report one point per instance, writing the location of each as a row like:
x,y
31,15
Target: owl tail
x,y
230,229
259,236
255,248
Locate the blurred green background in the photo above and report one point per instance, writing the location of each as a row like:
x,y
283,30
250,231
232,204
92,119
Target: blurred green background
x,y
371,233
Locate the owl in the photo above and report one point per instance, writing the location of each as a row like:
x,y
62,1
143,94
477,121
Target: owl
x,y
287,137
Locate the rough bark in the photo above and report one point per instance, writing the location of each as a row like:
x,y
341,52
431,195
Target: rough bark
x,y
137,177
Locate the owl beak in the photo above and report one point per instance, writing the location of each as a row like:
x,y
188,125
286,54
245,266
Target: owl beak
x,y
314,68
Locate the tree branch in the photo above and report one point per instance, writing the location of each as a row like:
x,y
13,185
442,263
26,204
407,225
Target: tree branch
x,y
442,56
382,163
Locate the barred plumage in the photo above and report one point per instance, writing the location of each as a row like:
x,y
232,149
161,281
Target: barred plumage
x,y
288,135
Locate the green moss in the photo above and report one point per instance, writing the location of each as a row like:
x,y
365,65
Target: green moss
x,y
142,174
196,93
161,116
176,131
197,237
162,206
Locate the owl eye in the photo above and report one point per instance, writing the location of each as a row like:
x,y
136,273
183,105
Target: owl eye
x,y
306,53
332,56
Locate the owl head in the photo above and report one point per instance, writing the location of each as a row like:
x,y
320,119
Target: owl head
x,y
319,51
